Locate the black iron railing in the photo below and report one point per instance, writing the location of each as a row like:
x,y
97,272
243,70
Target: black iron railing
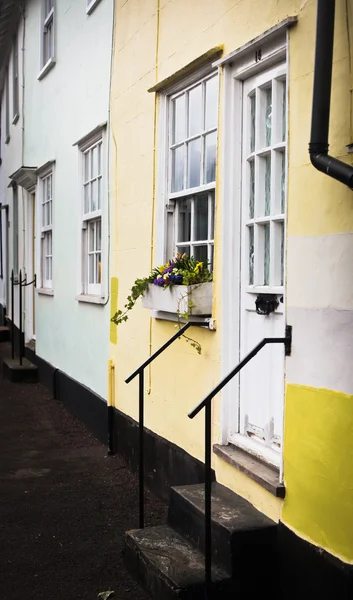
x,y
140,373
206,404
22,283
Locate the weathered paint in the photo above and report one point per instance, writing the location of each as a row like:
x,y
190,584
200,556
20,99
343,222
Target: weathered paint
x,y
319,468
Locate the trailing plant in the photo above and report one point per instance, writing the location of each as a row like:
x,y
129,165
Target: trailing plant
x,y
182,270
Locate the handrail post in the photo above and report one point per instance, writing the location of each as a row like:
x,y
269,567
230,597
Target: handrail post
x,y
141,449
20,315
12,316
208,492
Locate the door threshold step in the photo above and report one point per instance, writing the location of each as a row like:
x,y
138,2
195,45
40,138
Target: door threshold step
x,y
169,567
259,471
25,373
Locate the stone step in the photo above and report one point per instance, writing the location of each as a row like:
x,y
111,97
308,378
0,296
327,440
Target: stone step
x,y
241,535
25,373
169,567
4,333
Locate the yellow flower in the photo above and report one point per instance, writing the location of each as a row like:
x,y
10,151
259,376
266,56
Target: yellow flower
x,y
161,269
198,267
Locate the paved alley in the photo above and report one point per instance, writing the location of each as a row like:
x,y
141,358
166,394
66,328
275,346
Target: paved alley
x,y
64,505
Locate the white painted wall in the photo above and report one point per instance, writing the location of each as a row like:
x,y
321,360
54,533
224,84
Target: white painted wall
x,y
11,154
70,101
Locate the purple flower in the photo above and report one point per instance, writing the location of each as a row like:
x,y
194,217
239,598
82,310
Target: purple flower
x,y
168,269
176,279
159,281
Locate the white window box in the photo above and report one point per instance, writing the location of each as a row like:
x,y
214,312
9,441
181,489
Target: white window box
x,y
177,299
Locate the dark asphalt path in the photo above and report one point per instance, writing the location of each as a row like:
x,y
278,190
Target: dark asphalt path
x,y
64,505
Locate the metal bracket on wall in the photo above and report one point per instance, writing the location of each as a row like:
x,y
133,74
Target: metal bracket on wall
x,y
288,342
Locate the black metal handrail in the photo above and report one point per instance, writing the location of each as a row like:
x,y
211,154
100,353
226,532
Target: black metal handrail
x,y
206,404
22,283
140,373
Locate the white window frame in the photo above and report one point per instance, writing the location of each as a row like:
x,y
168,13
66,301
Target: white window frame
x,y
48,20
167,212
92,292
15,82
46,205
91,5
268,50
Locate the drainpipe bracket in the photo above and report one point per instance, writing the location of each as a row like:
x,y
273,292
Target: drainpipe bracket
x,y
318,148
349,148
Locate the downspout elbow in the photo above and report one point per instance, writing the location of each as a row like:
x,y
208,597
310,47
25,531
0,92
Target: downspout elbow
x,y
331,166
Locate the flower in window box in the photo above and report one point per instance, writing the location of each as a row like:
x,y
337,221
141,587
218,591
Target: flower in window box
x,y
183,276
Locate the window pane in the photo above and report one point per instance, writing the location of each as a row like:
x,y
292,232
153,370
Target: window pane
x,y
194,163
251,189
284,112
200,253
100,159
210,265
87,166
267,254
91,258
210,159
91,237
251,255
183,249
49,247
178,169
50,217
212,209
98,235
283,182
211,112
100,192
184,222
268,116
252,122
179,119
94,162
87,195
201,218
49,187
94,192
195,110
267,185
98,267
47,269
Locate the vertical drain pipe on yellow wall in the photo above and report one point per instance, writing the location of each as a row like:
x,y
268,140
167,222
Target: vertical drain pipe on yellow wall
x,y
111,406
154,169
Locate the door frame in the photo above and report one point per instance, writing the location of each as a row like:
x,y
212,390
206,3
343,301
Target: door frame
x,y
30,262
242,64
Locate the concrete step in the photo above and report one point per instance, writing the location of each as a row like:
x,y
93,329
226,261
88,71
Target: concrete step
x,y
169,567
25,373
4,333
242,537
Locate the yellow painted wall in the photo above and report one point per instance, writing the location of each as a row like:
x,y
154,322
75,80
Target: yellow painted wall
x,y
153,40
318,454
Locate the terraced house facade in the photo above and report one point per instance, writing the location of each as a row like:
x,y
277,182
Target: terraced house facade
x,y
212,140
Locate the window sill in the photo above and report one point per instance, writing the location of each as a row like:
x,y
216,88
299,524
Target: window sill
x,y
92,5
206,322
45,291
260,472
47,67
90,299
15,119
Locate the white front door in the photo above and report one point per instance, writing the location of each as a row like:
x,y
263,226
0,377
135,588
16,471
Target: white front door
x,y
259,417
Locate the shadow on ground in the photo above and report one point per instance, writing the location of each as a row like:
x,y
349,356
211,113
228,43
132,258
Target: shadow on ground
x,y
64,505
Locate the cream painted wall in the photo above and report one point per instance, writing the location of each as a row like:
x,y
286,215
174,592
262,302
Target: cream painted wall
x,y
154,41
68,103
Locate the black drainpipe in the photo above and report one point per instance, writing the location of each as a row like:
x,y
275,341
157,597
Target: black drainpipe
x,y
318,147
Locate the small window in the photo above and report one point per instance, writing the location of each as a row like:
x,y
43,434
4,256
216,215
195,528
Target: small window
x,y
48,37
92,193
15,82
192,146
91,5
7,107
46,195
